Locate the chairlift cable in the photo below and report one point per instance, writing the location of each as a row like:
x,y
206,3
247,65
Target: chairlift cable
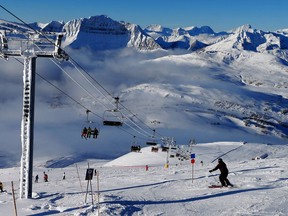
x,y
138,131
63,92
76,63
89,80
60,67
117,108
43,34
17,18
28,26
83,88
138,127
79,102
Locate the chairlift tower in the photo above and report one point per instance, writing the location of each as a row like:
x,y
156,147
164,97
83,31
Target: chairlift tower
x,y
170,142
21,42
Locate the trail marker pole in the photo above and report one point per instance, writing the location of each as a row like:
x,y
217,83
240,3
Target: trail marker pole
x,y
98,192
192,162
14,199
79,178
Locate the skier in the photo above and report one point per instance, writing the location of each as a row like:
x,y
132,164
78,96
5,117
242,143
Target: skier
x,y
223,173
1,187
64,177
36,178
45,177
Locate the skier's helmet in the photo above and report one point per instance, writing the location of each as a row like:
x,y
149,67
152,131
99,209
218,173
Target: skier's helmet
x,y
220,160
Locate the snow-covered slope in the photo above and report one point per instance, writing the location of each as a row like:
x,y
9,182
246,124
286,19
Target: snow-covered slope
x,y
205,152
123,188
212,93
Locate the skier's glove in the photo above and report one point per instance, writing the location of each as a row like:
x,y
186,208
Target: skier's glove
x,y
210,171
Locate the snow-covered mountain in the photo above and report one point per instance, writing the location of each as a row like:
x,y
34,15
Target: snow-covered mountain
x,y
190,38
246,38
102,33
197,83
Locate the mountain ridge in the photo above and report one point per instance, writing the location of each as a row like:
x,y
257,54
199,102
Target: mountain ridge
x,y
156,36
103,33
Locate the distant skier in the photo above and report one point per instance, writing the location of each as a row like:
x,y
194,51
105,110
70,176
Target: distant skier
x,y
224,173
36,178
1,187
64,176
45,177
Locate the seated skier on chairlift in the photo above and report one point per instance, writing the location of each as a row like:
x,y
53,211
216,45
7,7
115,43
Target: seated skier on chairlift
x,y
84,133
89,132
95,133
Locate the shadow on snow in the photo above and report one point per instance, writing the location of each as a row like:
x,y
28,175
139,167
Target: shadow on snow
x,y
147,202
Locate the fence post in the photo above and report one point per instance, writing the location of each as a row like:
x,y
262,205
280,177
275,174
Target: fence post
x,y
15,207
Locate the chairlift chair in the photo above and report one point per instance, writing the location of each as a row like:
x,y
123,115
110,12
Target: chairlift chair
x,y
153,141
112,118
135,147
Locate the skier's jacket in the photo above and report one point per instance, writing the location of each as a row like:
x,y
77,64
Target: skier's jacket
x,y
222,167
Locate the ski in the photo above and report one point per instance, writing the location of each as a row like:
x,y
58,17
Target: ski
x,y
219,186
215,186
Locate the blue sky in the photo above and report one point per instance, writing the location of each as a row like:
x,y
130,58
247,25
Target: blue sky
x,y
220,15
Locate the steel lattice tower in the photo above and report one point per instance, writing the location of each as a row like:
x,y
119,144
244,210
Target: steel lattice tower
x,y
20,42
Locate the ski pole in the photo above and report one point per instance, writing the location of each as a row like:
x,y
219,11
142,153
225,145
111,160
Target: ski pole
x,y
214,177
